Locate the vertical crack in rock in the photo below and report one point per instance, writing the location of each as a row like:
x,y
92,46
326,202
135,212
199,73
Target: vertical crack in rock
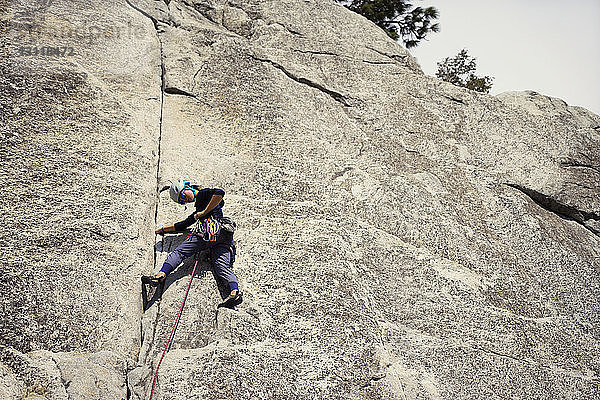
x,y
160,123
562,210
162,98
334,95
128,390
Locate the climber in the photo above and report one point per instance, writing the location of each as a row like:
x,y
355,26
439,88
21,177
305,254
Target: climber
x,y
208,234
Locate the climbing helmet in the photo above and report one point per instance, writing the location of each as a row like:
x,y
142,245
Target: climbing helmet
x,y
177,188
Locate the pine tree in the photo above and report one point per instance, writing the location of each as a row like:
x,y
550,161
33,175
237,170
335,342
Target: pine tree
x,y
460,71
398,18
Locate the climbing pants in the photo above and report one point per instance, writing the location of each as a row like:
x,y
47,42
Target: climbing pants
x,y
221,256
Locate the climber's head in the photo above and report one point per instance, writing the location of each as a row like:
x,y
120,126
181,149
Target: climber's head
x,y
181,191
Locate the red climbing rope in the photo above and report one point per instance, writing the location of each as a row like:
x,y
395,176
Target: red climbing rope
x,y
173,330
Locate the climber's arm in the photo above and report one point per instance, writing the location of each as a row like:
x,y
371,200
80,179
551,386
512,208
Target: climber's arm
x,y
214,201
176,227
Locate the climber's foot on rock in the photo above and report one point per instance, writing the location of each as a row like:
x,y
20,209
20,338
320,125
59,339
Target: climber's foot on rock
x,y
154,280
234,299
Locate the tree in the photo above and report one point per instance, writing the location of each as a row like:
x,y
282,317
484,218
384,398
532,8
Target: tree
x,y
398,18
460,71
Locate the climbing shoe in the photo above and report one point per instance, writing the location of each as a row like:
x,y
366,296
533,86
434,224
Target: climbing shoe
x,y
153,280
232,300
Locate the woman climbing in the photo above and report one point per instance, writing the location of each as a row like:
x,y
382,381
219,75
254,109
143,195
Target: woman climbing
x,y
208,234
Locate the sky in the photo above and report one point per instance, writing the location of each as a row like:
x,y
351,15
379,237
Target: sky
x,y
549,46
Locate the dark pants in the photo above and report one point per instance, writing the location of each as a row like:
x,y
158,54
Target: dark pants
x,y
221,256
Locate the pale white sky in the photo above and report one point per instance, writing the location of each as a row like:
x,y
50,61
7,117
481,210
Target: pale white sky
x,y
550,46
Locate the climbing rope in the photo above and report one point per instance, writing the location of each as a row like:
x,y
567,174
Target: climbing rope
x,y
168,345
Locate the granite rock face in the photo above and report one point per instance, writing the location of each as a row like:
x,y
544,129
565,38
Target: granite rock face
x,y
399,237
79,135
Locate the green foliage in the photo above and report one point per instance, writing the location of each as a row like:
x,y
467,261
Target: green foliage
x,y
460,71
398,18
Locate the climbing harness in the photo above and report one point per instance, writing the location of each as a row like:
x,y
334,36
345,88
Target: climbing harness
x,y
168,345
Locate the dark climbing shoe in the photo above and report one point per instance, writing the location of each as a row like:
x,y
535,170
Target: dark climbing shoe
x,y
152,280
231,301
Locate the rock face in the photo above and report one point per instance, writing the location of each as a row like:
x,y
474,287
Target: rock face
x,y
398,238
